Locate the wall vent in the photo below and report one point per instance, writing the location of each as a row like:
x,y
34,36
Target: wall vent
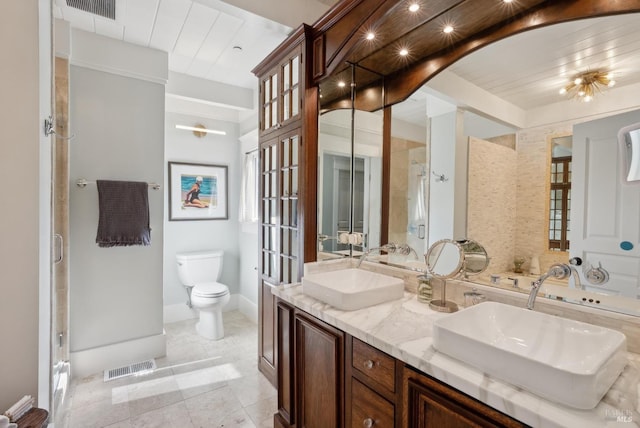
x,y
104,8
129,370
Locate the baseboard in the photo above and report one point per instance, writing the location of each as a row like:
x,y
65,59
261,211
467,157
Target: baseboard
x,y
248,308
95,360
180,311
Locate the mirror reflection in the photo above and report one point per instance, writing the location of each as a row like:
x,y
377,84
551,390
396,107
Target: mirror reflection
x,y
349,168
629,138
478,152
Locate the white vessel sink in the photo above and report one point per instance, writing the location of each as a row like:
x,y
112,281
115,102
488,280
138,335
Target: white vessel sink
x,y
351,289
566,361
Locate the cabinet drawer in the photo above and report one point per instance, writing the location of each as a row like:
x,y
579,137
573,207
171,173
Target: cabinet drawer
x,y
375,364
368,409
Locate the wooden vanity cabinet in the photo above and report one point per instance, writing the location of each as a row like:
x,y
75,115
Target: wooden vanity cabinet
x,y
310,371
431,403
329,379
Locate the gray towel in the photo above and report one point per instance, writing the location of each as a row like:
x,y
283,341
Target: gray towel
x,y
124,213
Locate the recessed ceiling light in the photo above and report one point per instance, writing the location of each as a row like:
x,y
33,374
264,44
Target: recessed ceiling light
x,y
507,1
447,29
414,7
370,36
341,84
403,52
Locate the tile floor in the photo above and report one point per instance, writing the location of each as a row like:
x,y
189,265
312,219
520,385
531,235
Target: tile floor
x,y
200,383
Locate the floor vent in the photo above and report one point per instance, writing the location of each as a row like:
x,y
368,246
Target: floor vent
x,y
129,370
105,8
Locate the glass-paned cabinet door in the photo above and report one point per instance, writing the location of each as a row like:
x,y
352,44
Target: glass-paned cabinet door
x,y
291,88
288,180
269,211
269,97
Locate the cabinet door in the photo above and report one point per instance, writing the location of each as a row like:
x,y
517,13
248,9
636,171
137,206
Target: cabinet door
x,y
280,248
320,373
289,266
286,363
280,93
430,403
267,335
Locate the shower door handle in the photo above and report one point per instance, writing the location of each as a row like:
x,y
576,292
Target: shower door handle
x,y
58,248
421,231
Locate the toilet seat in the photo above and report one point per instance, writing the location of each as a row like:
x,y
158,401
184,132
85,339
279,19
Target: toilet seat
x,y
210,289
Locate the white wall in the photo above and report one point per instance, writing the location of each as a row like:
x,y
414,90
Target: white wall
x,y
19,228
184,146
441,194
118,121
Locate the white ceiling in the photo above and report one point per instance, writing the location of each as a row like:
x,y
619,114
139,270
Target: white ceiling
x,y
528,69
199,35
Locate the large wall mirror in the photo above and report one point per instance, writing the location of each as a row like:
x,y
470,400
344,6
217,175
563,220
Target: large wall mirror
x,y
349,168
491,151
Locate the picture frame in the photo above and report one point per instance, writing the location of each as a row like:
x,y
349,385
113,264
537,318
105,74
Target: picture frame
x,y
198,191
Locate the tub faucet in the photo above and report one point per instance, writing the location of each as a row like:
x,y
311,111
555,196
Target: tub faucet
x,y
558,271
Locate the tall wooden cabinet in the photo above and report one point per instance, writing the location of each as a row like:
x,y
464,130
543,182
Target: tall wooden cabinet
x,y
281,139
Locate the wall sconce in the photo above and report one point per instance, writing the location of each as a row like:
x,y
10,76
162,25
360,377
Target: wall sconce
x,y
200,130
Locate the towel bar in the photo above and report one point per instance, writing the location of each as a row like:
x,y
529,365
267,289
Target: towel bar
x,y
82,183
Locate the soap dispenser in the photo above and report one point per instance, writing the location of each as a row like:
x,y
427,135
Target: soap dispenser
x,y
534,266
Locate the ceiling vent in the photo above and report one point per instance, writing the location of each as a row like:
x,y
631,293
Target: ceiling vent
x,y
104,8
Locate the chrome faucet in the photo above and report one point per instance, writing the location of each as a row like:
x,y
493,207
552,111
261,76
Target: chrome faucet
x,y
558,271
403,249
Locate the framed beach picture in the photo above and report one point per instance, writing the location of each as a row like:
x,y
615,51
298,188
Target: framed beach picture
x,y
197,191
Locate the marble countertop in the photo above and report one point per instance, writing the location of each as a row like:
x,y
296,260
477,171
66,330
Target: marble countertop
x,y
403,328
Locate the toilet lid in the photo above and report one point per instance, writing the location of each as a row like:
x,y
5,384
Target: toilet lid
x,y
210,289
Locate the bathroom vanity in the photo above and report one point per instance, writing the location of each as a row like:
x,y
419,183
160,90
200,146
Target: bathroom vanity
x,y
376,366
334,379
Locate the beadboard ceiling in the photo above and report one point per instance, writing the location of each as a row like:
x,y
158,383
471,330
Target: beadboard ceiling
x,y
209,39
526,70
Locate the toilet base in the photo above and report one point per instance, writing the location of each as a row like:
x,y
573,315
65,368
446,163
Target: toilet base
x,y
210,324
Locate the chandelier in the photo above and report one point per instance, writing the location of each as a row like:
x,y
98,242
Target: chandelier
x,y
584,85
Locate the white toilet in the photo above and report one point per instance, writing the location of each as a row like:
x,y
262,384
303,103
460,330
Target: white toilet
x,y
199,272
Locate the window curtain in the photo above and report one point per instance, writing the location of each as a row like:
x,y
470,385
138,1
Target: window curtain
x,y
249,190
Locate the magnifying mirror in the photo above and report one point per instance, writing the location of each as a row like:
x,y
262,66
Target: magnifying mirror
x,y
448,258
444,259
476,259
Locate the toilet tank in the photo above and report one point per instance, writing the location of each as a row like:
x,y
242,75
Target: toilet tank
x,y
199,266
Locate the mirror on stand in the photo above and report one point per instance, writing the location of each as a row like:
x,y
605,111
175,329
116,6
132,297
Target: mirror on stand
x,y
448,259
